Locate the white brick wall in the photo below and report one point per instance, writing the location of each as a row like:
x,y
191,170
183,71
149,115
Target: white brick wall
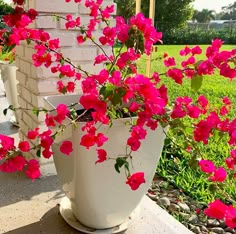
x,y
80,53
37,82
46,22
53,6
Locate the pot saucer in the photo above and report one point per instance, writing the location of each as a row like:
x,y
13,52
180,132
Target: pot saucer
x,y
67,214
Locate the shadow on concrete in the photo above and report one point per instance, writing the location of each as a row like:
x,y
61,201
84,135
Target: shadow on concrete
x,y
16,187
50,223
7,128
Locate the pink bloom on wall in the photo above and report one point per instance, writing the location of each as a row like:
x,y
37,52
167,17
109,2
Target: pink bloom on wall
x,y
33,134
24,146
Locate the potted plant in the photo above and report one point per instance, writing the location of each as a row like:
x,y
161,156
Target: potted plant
x,y
8,76
119,116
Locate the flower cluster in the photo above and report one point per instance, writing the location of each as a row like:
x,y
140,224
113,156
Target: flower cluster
x,y
219,210
119,89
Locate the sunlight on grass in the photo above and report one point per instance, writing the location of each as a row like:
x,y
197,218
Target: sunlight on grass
x,y
174,164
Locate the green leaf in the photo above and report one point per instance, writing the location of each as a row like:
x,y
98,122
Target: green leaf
x,y
45,110
28,41
213,188
36,112
107,90
193,162
11,107
121,162
196,82
116,99
38,153
121,91
73,113
5,111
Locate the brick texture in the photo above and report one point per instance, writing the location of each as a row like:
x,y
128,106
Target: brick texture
x,y
37,82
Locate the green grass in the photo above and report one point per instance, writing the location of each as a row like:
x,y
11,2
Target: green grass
x,y
174,164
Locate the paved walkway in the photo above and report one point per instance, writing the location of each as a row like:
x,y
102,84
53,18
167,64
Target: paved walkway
x,y
28,207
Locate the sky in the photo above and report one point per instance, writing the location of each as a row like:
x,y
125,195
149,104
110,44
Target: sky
x,y
211,4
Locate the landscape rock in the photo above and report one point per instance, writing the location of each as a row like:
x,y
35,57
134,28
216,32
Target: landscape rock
x,y
217,230
196,230
164,201
184,207
184,215
213,223
174,208
228,229
193,219
204,229
152,196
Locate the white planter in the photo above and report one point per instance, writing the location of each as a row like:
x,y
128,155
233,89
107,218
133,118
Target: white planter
x,y
98,195
8,75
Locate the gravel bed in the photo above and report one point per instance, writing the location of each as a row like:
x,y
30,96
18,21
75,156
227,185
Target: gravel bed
x,y
185,209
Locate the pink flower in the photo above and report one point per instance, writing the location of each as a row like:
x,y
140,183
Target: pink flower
x,y
217,43
176,74
206,166
134,143
66,147
67,70
169,62
46,139
47,153
62,112
24,146
230,217
70,87
88,140
203,103
138,132
6,142
13,164
230,162
32,170
33,134
216,210
80,39
196,50
135,180
49,120
102,155
185,51
19,162
100,139
219,175
99,59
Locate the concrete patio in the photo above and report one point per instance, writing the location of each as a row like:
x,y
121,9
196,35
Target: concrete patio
x,y
32,207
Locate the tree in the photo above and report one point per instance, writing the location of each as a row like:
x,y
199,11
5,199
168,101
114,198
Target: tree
x,y
195,15
125,8
204,16
229,12
4,8
169,15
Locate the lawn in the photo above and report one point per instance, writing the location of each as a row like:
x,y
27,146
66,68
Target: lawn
x,y
174,164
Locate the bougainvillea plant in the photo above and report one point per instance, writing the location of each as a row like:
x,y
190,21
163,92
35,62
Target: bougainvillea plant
x,y
119,89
